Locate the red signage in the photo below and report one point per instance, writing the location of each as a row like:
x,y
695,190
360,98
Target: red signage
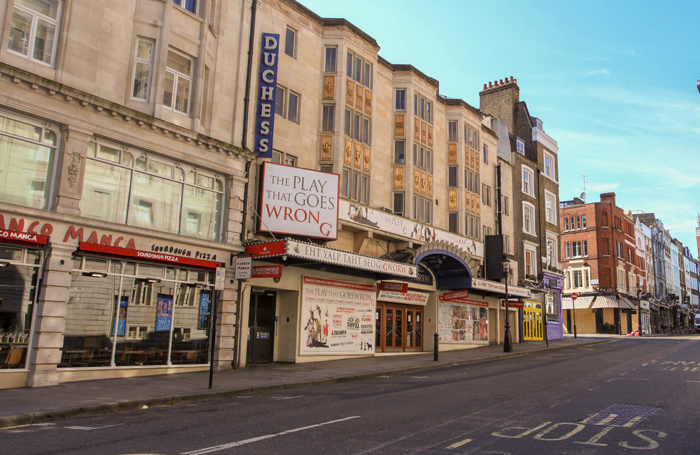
x,y
22,237
268,249
465,301
574,296
457,295
394,287
339,284
148,256
512,303
267,271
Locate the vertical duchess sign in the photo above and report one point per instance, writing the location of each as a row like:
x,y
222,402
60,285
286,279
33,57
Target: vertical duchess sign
x,y
265,121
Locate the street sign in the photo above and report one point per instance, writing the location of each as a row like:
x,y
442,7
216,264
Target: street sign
x,y
219,282
574,296
244,268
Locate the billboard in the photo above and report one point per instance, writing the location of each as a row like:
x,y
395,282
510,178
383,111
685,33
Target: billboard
x,y
297,201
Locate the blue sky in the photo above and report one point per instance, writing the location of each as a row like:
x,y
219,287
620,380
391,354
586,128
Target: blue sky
x,y
613,82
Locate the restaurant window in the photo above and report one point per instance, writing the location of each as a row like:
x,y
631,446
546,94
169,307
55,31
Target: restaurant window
x,y
189,5
143,65
27,154
107,327
290,42
126,186
178,76
331,56
34,30
20,269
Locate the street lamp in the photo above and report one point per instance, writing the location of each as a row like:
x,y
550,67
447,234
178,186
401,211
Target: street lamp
x,y
507,339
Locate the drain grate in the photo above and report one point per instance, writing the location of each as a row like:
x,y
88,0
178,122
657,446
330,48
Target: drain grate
x,y
621,415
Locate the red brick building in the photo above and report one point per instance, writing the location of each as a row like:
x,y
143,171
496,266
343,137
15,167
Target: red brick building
x,y
600,262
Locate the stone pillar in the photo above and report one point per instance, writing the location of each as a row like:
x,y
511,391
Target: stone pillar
x,y
71,170
49,323
225,324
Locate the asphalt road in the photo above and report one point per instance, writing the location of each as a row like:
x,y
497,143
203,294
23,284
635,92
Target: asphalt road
x,y
626,396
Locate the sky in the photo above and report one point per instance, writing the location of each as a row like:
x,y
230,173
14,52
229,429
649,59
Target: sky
x,y
613,81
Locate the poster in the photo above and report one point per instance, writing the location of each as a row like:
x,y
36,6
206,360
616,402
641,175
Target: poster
x,y
204,309
164,313
463,323
337,317
121,319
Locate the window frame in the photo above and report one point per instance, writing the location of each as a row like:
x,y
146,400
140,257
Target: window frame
x,y
551,213
150,69
35,17
549,171
195,6
529,207
520,146
334,65
295,35
452,131
530,190
400,101
176,83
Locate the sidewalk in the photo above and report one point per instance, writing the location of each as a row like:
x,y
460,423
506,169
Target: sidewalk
x,y
27,406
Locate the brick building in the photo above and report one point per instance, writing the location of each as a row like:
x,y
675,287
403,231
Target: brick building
x,y
599,257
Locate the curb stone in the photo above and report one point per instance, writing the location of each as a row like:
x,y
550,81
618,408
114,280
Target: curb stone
x,y
124,406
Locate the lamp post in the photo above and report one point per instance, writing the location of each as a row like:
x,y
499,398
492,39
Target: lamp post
x,y
507,339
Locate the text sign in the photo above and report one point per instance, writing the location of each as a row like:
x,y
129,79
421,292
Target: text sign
x,y
267,83
574,296
22,237
244,268
220,280
298,201
393,286
267,271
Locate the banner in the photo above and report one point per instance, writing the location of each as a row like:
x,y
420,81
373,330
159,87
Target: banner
x,y
121,319
265,120
337,317
164,313
462,323
204,309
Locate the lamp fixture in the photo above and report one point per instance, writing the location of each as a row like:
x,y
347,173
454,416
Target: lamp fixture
x,y
95,274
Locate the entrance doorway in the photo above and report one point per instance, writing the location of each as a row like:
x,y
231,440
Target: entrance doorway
x,y
532,321
261,327
399,328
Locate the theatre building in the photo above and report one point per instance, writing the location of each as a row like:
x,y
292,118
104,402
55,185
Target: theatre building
x,y
367,222
120,195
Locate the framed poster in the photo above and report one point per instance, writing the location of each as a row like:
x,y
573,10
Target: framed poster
x,y
204,309
164,313
121,319
463,323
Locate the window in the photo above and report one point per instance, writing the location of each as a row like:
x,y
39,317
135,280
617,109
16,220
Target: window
x,y
578,222
567,250
293,107
326,168
620,250
506,242
142,69
486,154
452,222
566,223
452,131
528,187
552,251
505,205
551,303
328,119
401,99
27,154
452,176
331,55
189,5
34,30
520,146
422,108
549,166
530,264
349,64
366,131
280,101
137,332
528,218
398,203
585,248
359,69
583,221
400,152
290,42
128,187
422,209
577,276
486,195
287,105
178,74
487,231
550,207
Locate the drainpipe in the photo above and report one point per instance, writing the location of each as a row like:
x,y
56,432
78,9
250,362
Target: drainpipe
x,y
244,145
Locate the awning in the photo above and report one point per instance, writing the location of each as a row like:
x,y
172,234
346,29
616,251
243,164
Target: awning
x,y
311,252
627,303
582,303
603,301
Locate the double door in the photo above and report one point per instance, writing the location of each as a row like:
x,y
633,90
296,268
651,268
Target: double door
x,y
399,328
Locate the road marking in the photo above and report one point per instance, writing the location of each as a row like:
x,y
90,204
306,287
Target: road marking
x,y
287,398
606,420
92,428
627,379
459,444
692,381
261,438
419,377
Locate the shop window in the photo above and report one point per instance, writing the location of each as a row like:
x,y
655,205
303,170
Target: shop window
x,y
178,76
27,154
34,30
137,332
143,65
552,306
151,192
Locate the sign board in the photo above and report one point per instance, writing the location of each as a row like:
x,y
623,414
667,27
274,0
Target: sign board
x,y
499,288
393,286
463,322
595,282
147,255
244,268
22,237
267,271
265,121
512,303
456,295
267,249
410,297
297,201
220,280
574,296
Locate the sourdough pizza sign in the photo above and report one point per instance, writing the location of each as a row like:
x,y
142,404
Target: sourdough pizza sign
x,y
298,201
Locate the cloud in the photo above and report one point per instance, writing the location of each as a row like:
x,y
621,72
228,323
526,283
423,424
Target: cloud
x,y
603,187
600,72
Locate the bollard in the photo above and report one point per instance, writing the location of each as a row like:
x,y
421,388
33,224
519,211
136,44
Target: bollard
x,y
435,349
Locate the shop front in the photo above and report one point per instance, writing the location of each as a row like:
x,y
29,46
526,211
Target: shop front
x,y
85,302
399,318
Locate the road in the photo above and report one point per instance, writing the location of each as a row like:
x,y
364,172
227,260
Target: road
x,y
625,396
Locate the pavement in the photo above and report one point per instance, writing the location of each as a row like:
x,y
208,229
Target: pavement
x,y
36,405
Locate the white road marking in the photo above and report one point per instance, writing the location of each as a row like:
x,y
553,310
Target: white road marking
x,y
692,381
633,421
261,438
627,379
93,428
287,398
419,377
459,444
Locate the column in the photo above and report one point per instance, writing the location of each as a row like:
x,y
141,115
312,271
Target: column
x,y
71,170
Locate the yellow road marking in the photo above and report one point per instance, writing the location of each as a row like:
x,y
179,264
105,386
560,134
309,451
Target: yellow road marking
x,y
459,444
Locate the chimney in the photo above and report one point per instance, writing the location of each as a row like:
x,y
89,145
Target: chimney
x,y
608,197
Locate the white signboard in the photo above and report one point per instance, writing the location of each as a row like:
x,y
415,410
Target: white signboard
x,y
244,268
463,323
298,201
344,258
337,317
410,297
500,288
220,280
378,219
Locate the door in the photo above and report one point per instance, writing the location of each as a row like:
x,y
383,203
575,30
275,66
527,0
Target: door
x,y
261,327
398,328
